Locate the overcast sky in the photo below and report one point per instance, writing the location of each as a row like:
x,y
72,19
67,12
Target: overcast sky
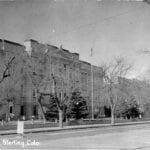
x,y
111,27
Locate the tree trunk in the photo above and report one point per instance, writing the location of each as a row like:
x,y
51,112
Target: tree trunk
x,y
60,118
42,111
112,116
38,100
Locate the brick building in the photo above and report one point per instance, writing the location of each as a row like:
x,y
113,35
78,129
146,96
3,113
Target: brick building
x,y
34,58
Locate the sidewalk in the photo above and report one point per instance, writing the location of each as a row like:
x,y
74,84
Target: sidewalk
x,y
53,129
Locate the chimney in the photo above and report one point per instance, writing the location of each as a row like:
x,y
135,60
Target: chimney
x,y
61,47
28,47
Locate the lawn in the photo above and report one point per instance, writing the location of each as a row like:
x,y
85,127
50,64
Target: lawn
x,y
12,125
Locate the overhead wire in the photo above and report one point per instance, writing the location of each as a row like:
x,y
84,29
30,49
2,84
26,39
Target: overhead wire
x,y
93,23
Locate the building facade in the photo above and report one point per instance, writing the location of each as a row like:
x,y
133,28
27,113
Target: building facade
x,y
34,64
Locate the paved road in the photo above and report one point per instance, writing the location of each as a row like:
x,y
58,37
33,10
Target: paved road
x,y
132,137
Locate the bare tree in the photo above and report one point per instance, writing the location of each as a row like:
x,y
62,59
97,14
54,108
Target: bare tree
x,y
62,101
6,71
111,74
37,80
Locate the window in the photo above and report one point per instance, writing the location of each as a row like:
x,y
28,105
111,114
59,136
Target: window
x,y
64,94
33,93
22,111
34,110
65,66
10,109
59,95
34,73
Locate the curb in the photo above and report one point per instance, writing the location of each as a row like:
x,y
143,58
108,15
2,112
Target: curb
x,y
51,129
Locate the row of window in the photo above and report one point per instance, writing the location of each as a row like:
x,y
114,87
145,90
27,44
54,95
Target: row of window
x,y
23,112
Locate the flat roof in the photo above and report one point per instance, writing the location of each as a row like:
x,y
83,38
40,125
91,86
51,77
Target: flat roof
x,y
85,62
15,43
32,40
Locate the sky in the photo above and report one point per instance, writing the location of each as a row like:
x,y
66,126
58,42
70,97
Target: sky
x,y
112,28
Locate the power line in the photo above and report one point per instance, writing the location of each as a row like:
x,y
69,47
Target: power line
x,y
93,23
109,18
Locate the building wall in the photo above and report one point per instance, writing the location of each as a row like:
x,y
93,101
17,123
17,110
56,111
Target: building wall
x,y
85,74
37,58
97,85
10,87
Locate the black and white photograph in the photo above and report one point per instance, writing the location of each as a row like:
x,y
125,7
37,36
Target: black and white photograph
x,y
75,74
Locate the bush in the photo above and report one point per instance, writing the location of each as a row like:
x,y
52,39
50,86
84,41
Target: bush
x,y
52,112
77,107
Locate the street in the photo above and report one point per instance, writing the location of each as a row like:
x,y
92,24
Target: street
x,y
107,138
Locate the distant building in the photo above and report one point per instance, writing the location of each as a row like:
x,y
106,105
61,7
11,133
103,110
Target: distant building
x,y
43,59
140,91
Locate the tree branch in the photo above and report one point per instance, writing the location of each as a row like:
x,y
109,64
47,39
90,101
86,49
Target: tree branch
x,y
6,73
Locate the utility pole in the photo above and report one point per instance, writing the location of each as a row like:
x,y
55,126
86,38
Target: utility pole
x,y
92,106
